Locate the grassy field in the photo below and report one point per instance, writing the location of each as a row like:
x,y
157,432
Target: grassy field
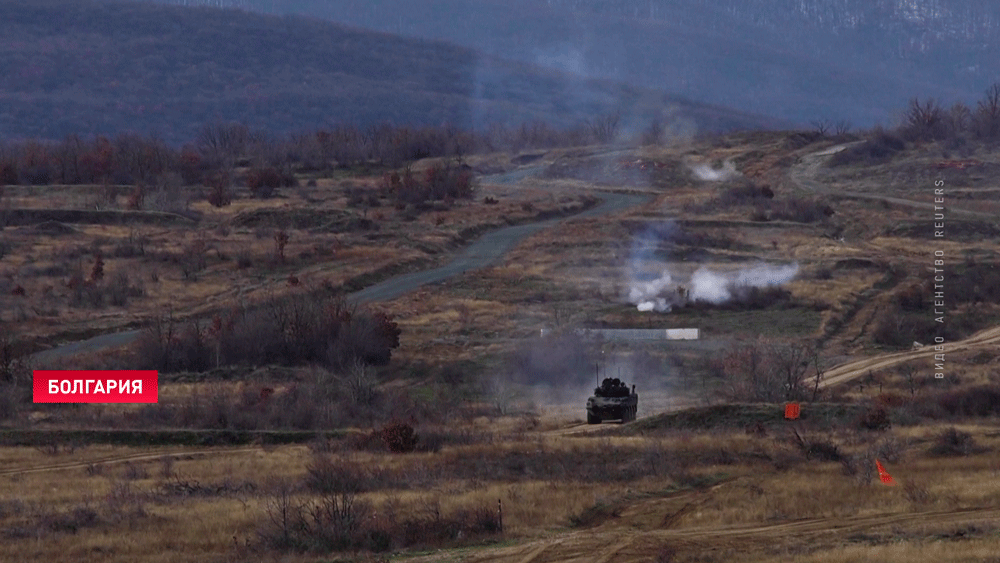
x,y
503,467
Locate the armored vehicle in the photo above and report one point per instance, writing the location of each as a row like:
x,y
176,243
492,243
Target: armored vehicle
x,y
612,401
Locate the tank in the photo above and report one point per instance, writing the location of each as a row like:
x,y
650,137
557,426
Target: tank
x,y
612,401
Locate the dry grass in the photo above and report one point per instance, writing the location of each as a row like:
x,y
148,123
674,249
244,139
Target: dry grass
x,y
195,270
546,474
532,474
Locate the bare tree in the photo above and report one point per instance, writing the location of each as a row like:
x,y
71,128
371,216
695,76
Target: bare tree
x,y
653,134
988,113
818,377
68,154
763,370
959,118
222,144
604,129
842,127
749,372
502,392
924,121
821,126
140,159
791,361
910,374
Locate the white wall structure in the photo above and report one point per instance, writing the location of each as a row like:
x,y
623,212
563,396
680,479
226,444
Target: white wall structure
x,y
640,333
682,334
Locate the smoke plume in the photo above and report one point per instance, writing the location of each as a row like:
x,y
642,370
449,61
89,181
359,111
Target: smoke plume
x,y
664,293
706,173
652,285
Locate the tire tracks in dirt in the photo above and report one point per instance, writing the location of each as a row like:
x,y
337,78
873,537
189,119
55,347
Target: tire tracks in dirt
x,y
843,373
803,174
125,458
619,542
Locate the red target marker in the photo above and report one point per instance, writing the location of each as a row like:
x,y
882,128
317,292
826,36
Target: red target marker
x,y
883,474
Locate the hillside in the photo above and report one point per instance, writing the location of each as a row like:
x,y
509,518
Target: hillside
x,y
801,60
95,67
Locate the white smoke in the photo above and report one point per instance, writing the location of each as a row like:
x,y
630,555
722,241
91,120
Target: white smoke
x,y
707,285
706,173
646,294
664,293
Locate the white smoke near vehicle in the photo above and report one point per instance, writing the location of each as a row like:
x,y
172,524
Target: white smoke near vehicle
x,y
706,173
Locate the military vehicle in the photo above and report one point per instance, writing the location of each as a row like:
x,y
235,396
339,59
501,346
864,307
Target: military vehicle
x,y
612,401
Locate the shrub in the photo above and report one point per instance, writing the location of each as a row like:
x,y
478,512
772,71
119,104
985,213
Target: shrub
x,y
800,210
823,450
264,181
218,185
983,400
879,147
875,418
8,174
925,121
745,192
294,330
398,437
953,442
328,475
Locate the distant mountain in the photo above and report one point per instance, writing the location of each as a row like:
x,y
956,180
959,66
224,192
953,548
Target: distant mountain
x,y
799,59
77,66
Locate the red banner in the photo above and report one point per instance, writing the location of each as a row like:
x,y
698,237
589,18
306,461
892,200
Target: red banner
x,y
97,386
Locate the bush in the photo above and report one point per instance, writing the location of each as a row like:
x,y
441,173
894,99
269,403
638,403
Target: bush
x,y
953,442
295,330
823,450
800,210
983,400
879,148
439,183
875,418
398,437
744,192
327,475
8,174
264,181
218,184
340,522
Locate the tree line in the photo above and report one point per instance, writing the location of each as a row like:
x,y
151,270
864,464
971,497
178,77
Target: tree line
x,y
131,158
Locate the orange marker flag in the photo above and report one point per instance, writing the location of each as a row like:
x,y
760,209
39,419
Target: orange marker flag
x,y
883,474
791,411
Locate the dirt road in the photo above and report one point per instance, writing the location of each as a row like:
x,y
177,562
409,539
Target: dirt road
x,y
986,339
484,252
645,527
805,172
214,452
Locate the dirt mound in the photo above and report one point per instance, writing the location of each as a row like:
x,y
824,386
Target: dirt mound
x,y
854,264
54,228
527,158
16,217
291,218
